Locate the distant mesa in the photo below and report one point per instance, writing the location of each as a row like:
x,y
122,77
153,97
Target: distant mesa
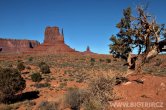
x,y
13,45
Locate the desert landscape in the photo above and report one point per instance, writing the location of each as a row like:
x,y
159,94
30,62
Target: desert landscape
x,y
51,75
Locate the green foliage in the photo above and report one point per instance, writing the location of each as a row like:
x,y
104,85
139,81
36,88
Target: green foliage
x,y
36,77
11,83
108,60
44,68
101,60
20,66
30,59
92,60
139,32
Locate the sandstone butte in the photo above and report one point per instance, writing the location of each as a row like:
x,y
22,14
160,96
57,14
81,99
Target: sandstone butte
x,y
53,43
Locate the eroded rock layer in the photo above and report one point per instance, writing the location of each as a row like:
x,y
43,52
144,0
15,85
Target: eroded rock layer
x,y
14,45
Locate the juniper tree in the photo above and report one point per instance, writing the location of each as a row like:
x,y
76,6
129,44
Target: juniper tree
x,y
138,34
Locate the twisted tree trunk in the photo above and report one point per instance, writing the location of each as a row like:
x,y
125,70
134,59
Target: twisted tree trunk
x,y
135,63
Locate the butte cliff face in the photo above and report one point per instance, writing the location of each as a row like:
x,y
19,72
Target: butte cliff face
x,y
53,36
53,42
13,45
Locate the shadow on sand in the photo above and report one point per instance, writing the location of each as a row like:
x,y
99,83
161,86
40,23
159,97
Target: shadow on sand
x,y
24,96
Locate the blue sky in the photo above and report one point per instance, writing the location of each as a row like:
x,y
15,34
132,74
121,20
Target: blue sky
x,y
85,22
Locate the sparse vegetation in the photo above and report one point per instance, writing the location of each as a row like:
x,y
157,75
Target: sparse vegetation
x,y
52,76
69,72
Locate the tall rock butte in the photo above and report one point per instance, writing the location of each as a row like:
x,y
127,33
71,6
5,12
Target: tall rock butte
x,y
53,36
53,42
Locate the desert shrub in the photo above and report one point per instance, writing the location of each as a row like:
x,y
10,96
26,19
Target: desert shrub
x,y
30,59
75,98
20,66
108,60
101,60
36,77
44,68
11,83
100,93
46,105
102,88
92,60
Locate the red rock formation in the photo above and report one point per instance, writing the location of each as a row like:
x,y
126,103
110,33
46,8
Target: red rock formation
x,y
88,51
13,45
53,36
53,42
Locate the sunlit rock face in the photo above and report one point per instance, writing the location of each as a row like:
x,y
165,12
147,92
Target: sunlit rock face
x,y
14,45
53,36
53,42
